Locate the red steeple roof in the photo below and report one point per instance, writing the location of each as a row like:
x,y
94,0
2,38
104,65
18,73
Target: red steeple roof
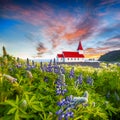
x,y
80,46
72,54
59,55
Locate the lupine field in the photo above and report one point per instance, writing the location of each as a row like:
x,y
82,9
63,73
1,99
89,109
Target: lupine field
x,y
48,91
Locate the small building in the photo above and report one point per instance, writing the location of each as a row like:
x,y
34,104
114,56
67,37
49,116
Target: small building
x,y
70,56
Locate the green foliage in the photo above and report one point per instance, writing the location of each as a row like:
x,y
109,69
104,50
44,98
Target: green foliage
x,y
32,98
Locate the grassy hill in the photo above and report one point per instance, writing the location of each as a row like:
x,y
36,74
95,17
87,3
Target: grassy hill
x,y
113,56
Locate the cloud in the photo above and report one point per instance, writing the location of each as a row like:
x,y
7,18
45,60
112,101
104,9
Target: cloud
x,y
113,42
56,26
41,49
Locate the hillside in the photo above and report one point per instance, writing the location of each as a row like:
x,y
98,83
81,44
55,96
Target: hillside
x,y
113,56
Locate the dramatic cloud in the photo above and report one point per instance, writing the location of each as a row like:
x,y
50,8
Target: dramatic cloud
x,y
41,49
58,22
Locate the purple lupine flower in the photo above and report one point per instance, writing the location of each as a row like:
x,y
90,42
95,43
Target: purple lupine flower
x,y
49,68
59,111
62,70
50,63
90,81
63,91
28,67
44,67
79,80
56,69
33,64
69,114
18,65
71,75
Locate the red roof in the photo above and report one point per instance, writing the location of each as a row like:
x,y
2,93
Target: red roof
x,y
72,54
60,55
80,46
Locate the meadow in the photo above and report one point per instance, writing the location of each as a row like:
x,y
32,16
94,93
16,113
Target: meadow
x,y
47,91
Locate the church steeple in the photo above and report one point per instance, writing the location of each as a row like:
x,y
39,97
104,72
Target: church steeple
x,y
80,48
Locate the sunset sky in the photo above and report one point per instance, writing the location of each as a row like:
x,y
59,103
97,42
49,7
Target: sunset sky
x,y
43,28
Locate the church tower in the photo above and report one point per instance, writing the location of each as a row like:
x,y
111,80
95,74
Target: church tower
x,y
80,48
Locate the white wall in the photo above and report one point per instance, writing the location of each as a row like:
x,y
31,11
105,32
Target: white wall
x,y
59,59
74,60
81,51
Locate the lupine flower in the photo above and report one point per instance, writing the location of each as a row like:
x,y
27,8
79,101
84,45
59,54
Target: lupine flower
x,y
90,81
64,111
44,67
79,80
33,64
49,68
71,75
50,63
69,103
60,85
18,65
56,69
10,78
28,67
80,100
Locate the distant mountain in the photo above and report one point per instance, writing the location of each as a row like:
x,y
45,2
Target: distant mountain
x,y
113,56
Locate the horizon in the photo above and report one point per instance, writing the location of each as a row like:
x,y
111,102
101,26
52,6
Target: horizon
x,y
41,29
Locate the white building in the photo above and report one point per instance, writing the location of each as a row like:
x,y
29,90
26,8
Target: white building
x,y
70,56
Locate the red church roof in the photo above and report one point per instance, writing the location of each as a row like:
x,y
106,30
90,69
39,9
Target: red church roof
x,y
72,54
80,46
60,55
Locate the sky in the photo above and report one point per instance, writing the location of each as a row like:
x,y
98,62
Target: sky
x,y
44,28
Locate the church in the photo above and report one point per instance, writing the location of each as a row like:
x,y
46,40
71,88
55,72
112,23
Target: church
x,y
70,56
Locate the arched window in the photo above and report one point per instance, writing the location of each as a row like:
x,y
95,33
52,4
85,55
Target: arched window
x,y
68,58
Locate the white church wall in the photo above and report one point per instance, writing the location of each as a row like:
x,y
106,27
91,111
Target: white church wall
x,y
74,59
60,59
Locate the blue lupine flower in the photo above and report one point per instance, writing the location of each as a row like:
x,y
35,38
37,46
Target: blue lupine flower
x,y
79,80
56,69
90,81
28,67
45,67
71,75
49,68
18,65
62,70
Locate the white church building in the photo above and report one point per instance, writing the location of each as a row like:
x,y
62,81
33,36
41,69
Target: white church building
x,y
70,56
